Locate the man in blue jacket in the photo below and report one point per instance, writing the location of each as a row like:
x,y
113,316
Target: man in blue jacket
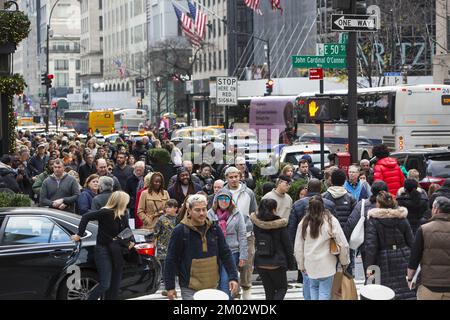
x,y
194,250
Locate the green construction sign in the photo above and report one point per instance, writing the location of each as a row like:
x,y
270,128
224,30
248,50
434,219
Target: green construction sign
x,y
324,62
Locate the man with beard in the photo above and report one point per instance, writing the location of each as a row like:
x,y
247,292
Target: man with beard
x,y
122,171
87,168
183,186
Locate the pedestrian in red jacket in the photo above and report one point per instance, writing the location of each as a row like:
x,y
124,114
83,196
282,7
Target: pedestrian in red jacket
x,y
387,169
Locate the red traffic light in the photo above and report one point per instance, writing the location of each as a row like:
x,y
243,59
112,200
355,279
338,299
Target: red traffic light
x,y
50,76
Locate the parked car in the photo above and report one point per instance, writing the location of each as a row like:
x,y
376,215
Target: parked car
x,y
433,164
365,145
36,252
292,154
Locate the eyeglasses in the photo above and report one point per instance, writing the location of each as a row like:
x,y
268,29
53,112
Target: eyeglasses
x,y
224,198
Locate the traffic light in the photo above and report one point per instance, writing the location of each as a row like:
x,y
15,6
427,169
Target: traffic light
x,y
44,79
49,80
269,87
342,4
323,109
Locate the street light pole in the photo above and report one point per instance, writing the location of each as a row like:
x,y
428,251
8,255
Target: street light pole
x,y
47,89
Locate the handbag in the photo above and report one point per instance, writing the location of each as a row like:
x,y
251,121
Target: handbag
x,y
344,287
357,236
334,247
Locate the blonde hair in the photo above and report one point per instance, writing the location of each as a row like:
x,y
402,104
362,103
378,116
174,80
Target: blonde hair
x,y
118,202
147,180
286,168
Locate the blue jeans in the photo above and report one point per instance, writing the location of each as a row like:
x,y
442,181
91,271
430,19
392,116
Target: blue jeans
x,y
109,276
321,288
306,288
224,280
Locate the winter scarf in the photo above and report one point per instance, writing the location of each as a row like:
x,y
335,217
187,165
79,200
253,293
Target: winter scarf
x,y
223,216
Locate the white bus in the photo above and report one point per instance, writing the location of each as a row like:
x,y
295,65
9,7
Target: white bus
x,y
129,119
402,117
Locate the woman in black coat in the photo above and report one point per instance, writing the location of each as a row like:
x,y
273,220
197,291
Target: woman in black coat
x,y
416,203
274,253
388,244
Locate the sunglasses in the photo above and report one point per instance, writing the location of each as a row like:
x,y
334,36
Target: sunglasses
x,y
224,198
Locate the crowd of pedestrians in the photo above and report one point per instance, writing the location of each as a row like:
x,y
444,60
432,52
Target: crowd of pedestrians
x,y
211,232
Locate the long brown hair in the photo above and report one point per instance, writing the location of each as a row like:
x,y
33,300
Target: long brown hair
x,y
314,217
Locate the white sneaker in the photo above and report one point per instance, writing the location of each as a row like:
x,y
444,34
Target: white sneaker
x,y
247,294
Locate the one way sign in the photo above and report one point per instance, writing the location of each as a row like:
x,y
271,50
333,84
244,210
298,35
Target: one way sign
x,y
353,22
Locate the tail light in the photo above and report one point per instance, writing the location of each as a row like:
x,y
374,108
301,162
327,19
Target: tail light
x,y
147,249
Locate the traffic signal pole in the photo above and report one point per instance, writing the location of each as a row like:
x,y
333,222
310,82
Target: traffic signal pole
x,y
352,92
322,136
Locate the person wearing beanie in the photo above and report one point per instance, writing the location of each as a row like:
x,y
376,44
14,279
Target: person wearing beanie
x,y
183,187
232,224
281,196
443,191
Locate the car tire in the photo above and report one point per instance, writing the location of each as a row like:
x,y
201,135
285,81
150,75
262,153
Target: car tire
x,y
89,279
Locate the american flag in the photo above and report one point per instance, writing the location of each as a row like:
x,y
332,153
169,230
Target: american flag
x,y
187,24
199,18
254,5
276,5
121,67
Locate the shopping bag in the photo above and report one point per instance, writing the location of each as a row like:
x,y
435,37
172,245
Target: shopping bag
x,y
344,287
357,236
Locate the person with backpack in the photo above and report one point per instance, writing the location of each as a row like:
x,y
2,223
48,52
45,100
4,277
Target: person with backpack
x,y
317,262
343,201
274,253
225,214
194,252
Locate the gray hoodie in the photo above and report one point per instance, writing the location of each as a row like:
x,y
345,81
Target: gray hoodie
x,y
67,188
245,201
236,230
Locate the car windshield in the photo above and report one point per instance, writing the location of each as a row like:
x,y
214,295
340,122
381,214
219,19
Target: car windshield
x,y
439,167
295,157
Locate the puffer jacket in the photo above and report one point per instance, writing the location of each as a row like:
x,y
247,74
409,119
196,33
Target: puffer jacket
x,y
388,170
418,212
283,249
388,241
343,201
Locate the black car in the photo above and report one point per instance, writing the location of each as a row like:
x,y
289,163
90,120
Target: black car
x,y
38,258
433,164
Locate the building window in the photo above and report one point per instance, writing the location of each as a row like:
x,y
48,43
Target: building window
x,y
199,61
77,63
224,59
101,66
209,61
100,4
61,64
214,28
219,28
62,79
215,61
220,60
100,23
77,80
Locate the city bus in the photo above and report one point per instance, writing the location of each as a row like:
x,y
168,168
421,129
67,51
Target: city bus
x,y
402,117
84,121
129,119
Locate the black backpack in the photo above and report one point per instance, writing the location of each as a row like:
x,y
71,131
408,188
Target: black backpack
x,y
264,244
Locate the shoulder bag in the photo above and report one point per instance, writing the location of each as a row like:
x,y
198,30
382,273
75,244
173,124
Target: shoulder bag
x,y
334,247
357,236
